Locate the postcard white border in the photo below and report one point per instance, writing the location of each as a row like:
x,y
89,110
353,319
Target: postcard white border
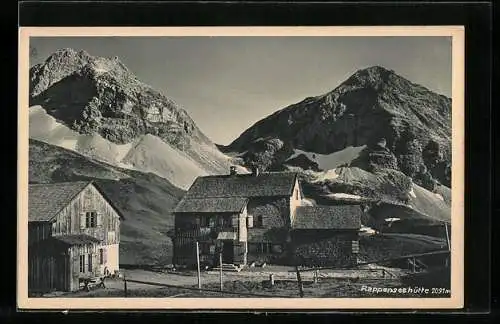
x,y
457,233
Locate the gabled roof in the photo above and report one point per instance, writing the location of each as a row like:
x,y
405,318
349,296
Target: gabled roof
x,y
328,217
211,205
46,200
266,184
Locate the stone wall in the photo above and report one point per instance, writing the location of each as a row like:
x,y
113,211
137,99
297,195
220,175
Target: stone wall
x,y
324,248
274,211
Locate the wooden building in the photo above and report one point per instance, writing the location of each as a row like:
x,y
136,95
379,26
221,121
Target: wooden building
x,y
73,234
247,218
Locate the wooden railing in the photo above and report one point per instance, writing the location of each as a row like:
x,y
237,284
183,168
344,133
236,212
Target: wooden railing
x,y
187,236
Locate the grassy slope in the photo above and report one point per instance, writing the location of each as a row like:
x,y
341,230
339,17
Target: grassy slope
x,y
145,199
385,246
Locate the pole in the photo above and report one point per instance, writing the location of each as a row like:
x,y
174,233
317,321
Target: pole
x,y
447,236
125,286
271,279
198,263
220,271
299,282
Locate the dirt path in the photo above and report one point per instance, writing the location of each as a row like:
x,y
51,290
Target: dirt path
x,y
254,276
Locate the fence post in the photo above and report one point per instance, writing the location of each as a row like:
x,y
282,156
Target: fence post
x,y
447,236
299,282
220,271
198,263
271,279
125,286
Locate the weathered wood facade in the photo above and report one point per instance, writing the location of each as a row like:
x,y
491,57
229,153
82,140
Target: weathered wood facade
x,y
73,233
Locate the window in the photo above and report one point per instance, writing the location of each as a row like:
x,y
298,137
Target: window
x,y
212,221
205,248
296,194
264,248
90,263
204,221
82,263
90,219
101,256
258,221
253,247
227,221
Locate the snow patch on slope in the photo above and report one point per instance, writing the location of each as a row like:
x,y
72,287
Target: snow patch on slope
x,y
151,154
429,203
342,195
333,160
147,153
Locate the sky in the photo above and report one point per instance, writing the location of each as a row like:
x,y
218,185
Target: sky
x,y
226,84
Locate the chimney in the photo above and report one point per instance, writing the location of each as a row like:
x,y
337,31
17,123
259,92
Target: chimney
x,y
232,170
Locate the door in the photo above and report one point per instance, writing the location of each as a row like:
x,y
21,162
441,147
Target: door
x,y
227,252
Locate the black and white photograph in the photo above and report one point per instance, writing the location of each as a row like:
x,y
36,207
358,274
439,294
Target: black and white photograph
x,y
211,166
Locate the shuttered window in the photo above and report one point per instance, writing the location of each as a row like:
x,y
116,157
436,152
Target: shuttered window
x,y
355,247
91,219
82,220
234,221
99,219
250,221
202,221
258,221
90,262
82,263
264,248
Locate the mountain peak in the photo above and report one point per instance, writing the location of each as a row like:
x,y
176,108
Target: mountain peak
x,y
373,76
65,55
100,95
376,69
372,104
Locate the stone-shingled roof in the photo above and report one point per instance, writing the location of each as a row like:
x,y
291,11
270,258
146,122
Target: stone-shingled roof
x,y
46,200
328,217
211,205
266,184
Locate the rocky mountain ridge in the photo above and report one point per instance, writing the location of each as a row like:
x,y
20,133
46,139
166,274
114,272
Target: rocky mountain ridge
x,y
101,95
402,125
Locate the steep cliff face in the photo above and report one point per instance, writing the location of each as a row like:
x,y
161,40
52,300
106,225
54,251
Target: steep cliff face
x,y
402,126
100,95
96,106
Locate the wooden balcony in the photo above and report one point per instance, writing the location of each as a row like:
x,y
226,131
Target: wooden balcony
x,y
203,233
